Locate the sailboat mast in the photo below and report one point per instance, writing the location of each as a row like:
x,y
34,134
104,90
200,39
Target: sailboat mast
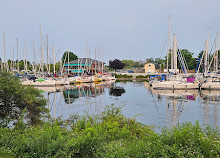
x,y
90,63
172,51
86,57
216,53
4,50
60,64
42,53
95,61
11,60
68,63
168,45
25,56
175,54
34,58
206,55
54,60
102,59
78,66
48,66
13,64
17,55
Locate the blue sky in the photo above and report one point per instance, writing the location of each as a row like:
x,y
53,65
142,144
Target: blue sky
x,y
127,29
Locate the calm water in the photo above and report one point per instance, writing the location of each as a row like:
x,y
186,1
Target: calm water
x,y
160,108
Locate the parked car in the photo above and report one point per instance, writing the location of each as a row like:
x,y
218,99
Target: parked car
x,y
130,71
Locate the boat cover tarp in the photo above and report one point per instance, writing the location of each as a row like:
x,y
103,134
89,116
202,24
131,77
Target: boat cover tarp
x,y
190,79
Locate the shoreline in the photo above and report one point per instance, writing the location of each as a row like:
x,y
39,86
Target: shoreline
x,y
131,79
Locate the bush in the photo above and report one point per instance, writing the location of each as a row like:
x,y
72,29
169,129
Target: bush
x,y
109,135
122,76
140,76
15,98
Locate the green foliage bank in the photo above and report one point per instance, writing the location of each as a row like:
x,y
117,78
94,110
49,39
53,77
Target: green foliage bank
x,y
107,135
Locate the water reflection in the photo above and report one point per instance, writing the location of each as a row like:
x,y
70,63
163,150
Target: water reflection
x,y
12,112
159,107
87,90
177,99
116,91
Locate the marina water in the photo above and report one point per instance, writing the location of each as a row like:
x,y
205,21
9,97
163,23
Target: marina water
x,y
150,107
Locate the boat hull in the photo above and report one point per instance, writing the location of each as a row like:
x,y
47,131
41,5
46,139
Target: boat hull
x,y
173,85
211,86
46,83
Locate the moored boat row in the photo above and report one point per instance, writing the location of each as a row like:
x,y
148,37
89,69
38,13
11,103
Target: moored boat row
x,y
50,82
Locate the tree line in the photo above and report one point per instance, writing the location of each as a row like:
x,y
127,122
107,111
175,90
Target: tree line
x,y
190,61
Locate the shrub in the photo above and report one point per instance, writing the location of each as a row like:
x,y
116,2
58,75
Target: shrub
x,y
140,76
122,76
109,134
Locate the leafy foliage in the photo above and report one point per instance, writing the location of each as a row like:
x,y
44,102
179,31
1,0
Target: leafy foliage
x,y
122,76
72,56
116,64
141,76
132,64
189,59
14,98
108,135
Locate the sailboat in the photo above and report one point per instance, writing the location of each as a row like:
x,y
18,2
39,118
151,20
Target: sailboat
x,y
210,81
38,81
175,81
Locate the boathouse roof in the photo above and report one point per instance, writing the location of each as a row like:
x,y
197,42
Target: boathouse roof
x,y
83,61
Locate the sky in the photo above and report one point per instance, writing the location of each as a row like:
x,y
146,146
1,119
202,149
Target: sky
x,y
125,29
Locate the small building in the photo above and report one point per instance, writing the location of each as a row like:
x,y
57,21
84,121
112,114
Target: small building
x,y
83,65
150,68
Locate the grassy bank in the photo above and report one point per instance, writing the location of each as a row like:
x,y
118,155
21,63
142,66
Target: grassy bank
x,y
130,77
122,76
107,135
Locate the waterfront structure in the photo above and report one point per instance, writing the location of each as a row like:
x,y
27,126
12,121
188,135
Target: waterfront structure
x,y
149,68
83,66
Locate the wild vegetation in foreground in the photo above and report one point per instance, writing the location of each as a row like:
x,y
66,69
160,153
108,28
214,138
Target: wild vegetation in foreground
x,y
23,133
107,135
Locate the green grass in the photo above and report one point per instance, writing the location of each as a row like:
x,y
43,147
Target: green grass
x,y
107,135
141,76
122,76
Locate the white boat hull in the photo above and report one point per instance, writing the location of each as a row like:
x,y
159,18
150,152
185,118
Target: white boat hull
x,y
211,85
174,85
46,83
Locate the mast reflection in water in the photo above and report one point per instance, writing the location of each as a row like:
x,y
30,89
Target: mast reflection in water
x,y
161,108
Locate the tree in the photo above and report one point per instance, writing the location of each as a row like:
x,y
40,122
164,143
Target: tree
x,y
128,63
190,60
15,98
149,60
72,56
116,64
133,64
